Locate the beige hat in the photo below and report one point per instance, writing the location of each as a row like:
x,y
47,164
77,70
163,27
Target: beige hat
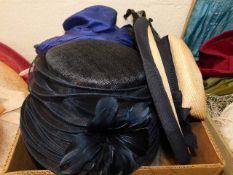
x,y
189,78
13,90
175,84
163,93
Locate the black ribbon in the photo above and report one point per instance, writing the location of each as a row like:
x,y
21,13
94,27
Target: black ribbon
x,y
180,140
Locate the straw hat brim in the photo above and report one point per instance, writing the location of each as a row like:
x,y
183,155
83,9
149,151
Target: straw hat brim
x,y
189,78
160,89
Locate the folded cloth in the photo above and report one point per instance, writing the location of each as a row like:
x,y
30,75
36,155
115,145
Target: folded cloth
x,y
219,86
95,22
208,19
216,56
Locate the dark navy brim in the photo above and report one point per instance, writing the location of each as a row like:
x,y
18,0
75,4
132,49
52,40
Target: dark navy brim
x,y
159,95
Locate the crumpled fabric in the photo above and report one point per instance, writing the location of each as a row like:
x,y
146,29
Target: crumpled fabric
x,y
216,104
209,18
216,56
95,22
219,86
226,122
220,111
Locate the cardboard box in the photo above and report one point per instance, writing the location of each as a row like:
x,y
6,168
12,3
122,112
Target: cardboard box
x,y
223,146
208,160
8,137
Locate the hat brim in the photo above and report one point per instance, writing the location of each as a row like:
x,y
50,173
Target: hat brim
x,y
160,89
189,78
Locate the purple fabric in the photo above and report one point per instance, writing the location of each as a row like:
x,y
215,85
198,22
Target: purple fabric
x,y
96,22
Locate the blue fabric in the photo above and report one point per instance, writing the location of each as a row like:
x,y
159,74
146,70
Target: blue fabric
x,y
209,18
95,22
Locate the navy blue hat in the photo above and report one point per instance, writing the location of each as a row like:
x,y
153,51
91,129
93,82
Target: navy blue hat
x,y
96,106
89,110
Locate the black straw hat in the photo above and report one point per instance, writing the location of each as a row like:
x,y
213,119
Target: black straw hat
x,y
89,110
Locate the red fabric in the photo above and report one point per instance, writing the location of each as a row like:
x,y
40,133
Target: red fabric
x,y
13,59
216,56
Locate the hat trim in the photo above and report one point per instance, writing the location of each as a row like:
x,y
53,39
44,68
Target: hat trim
x,y
159,95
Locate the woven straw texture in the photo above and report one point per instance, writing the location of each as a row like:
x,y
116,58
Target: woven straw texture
x,y
189,78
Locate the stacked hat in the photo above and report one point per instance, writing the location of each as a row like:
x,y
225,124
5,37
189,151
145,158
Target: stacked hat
x,y
88,106
89,110
96,105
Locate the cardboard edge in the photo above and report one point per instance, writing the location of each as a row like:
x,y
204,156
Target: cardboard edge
x,y
215,146
225,150
34,172
11,152
211,124
220,165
